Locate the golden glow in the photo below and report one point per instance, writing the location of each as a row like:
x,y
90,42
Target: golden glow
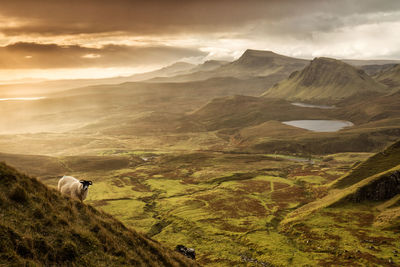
x,y
91,56
6,76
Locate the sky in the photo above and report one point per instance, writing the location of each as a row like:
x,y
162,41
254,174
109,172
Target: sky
x,y
68,39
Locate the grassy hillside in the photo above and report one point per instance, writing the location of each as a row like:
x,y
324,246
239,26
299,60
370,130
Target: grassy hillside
x,y
201,199
324,79
378,163
241,111
121,104
390,77
375,180
358,218
38,226
374,69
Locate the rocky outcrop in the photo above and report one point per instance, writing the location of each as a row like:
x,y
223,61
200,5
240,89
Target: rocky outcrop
x,y
382,189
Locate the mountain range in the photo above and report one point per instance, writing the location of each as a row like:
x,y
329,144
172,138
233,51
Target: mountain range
x,y
236,95
204,156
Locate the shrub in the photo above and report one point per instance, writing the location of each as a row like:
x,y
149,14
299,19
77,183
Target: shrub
x,y
41,246
38,214
68,252
18,194
24,251
328,159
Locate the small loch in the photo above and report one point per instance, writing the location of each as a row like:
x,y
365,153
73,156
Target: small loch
x,y
320,125
304,105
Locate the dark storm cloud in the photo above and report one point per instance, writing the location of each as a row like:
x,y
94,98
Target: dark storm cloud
x,y
162,16
33,55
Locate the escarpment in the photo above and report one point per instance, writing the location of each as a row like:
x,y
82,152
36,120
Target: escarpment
x,y
385,188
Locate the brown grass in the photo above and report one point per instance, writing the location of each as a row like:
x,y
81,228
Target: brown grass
x,y
41,227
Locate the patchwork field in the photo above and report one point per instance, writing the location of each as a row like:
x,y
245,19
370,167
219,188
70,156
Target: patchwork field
x,y
228,206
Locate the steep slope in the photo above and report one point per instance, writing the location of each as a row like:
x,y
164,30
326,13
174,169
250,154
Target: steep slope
x,y
262,63
390,77
325,79
38,226
371,182
253,63
378,163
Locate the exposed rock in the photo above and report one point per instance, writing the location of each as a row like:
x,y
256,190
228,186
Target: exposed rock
x,y
382,189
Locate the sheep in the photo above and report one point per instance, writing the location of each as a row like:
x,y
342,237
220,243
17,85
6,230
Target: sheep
x,y
74,188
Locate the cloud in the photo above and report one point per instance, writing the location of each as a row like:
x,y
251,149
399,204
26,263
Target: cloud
x,y
34,55
131,33
49,17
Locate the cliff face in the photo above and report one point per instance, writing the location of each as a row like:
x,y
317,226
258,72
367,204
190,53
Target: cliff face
x,y
383,189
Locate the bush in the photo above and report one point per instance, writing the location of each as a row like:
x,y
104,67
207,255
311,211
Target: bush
x,y
38,214
24,251
18,194
68,252
328,159
41,246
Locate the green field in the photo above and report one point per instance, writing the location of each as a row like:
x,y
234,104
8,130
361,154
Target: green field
x,y
228,206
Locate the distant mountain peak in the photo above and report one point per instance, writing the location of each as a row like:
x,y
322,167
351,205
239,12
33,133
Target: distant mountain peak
x,y
180,64
323,71
325,78
253,52
260,58
327,60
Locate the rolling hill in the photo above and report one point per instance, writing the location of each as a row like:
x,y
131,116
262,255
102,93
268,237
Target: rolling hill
x,y
390,77
125,102
242,111
374,69
53,86
372,182
325,79
41,227
380,162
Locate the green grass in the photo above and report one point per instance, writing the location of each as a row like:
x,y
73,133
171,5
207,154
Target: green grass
x,y
40,227
345,233
228,206
379,162
335,196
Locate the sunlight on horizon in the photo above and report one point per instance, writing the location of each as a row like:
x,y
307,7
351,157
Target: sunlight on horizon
x,y
30,75
22,98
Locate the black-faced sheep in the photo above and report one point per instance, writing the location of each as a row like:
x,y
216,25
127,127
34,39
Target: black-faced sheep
x,y
188,252
74,188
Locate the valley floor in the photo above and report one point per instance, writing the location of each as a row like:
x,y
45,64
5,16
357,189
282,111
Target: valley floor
x,y
228,206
